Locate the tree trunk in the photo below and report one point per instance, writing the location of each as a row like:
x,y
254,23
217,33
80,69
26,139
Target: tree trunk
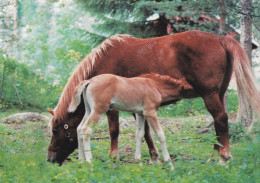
x,y
15,28
3,80
222,31
17,93
222,23
245,113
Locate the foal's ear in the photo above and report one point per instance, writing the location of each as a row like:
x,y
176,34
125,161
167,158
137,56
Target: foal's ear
x,y
51,112
76,99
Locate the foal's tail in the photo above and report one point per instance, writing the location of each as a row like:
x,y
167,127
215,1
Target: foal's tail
x,y
249,94
76,99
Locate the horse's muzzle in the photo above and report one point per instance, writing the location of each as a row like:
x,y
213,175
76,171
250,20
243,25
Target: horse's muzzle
x,y
51,157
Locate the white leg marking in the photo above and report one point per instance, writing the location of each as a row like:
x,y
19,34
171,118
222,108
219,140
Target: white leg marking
x,y
153,121
139,135
80,133
87,131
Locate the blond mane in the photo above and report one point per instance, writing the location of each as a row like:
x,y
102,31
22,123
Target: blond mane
x,y
82,72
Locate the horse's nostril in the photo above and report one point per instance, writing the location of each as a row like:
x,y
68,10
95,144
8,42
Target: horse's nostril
x,y
51,157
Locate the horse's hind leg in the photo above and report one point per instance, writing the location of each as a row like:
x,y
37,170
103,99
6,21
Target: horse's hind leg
x,y
139,135
150,143
113,122
217,110
80,134
80,137
87,132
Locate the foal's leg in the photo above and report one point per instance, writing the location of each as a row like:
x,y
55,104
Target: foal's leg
x,y
152,119
139,135
80,136
149,141
113,122
217,110
87,131
80,133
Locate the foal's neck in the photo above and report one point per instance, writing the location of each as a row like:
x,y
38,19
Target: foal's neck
x,y
171,90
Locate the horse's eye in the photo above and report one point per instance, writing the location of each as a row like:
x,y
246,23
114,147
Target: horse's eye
x,y
55,132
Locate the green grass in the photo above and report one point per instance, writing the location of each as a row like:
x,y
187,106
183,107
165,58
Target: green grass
x,y
23,156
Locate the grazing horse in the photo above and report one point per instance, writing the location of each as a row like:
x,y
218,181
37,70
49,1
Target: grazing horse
x,y
205,60
141,95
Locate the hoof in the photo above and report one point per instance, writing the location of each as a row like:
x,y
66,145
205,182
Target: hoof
x,y
171,166
113,155
153,161
226,156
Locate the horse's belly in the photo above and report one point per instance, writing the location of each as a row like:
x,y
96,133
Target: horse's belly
x,y
126,106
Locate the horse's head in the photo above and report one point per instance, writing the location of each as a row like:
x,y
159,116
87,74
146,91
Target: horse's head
x,y
64,136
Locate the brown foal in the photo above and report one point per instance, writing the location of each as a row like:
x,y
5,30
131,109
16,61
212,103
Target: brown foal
x,y
140,95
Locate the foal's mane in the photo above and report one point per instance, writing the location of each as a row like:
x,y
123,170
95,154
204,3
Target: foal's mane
x,y
163,78
82,72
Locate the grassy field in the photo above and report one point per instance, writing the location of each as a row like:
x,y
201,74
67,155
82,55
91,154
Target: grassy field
x,y
24,146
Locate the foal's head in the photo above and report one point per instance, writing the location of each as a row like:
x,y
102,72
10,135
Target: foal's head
x,y
64,135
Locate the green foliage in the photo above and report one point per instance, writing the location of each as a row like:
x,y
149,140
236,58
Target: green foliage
x,y
131,17
33,89
23,157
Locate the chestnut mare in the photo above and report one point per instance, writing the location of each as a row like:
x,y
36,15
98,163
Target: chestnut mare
x,y
206,61
141,95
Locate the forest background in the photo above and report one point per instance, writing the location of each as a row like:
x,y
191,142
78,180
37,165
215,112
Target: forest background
x,y
41,41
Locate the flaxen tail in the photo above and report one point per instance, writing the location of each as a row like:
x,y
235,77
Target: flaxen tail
x,y
248,89
76,99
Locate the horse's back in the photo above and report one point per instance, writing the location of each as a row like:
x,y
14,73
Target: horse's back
x,y
197,56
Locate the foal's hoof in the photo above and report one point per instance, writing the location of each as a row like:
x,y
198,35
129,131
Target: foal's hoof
x,y
171,166
153,161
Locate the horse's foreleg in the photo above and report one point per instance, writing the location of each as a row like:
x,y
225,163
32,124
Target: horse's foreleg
x,y
151,117
217,110
139,135
113,122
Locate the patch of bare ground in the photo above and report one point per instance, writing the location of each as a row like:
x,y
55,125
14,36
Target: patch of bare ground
x,y
18,120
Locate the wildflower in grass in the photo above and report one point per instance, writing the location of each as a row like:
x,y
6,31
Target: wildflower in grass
x,y
33,164
67,171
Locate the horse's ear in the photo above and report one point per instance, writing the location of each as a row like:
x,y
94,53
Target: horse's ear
x,y
51,112
76,99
